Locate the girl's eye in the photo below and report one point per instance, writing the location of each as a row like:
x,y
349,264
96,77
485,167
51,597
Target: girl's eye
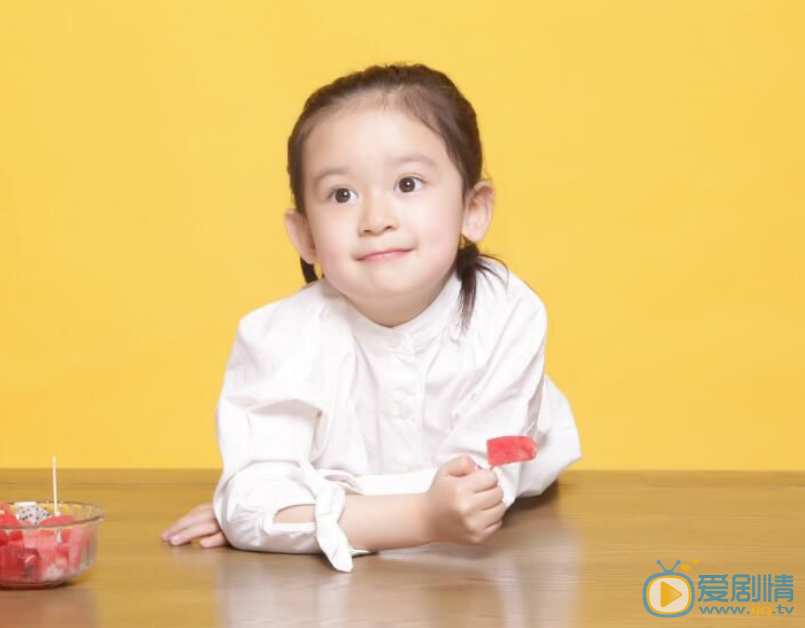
x,y
407,184
341,195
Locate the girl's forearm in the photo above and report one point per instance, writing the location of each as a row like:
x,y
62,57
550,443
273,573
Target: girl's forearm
x,y
375,522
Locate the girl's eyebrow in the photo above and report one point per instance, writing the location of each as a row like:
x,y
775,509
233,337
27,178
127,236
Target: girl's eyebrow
x,y
404,159
413,158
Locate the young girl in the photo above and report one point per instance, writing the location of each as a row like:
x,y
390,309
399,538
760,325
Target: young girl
x,y
354,414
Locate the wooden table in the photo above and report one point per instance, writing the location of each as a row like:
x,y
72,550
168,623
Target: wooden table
x,y
578,555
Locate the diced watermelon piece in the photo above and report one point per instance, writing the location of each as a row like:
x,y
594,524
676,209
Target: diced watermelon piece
x,y
45,543
74,548
508,449
31,566
7,518
29,540
12,567
54,564
21,564
60,519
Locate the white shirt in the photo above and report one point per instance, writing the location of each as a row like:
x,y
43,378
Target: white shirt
x,y
319,401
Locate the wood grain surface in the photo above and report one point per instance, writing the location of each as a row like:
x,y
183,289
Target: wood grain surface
x,y
578,555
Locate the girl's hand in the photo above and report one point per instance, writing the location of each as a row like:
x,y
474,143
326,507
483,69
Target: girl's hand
x,y
464,503
199,522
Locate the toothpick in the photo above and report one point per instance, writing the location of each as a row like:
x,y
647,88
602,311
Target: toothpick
x,y
55,495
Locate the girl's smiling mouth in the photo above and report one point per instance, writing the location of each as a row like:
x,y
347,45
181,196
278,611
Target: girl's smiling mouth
x,y
385,255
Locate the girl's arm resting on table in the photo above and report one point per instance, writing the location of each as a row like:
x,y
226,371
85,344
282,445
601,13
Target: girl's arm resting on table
x,y
397,493
310,514
375,522
200,522
464,505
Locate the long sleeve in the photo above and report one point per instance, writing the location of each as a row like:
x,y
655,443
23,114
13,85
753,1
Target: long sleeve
x,y
509,395
272,419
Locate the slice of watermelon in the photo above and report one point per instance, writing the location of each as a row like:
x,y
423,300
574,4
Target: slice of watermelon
x,y
60,519
54,564
45,543
73,544
508,449
20,564
64,533
7,518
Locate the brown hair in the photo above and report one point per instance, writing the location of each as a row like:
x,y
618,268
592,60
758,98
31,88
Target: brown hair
x,y
432,98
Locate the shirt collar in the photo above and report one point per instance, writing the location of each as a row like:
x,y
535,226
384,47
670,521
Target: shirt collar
x,y
413,334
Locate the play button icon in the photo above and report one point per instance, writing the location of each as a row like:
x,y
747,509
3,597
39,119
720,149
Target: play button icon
x,y
668,594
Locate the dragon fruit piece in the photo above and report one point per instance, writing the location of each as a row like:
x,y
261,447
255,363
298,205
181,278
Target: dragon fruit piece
x,y
32,514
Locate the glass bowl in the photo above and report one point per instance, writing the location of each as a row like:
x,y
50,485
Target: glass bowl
x,y
51,552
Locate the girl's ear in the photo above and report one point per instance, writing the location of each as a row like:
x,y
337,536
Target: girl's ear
x,y
478,211
301,237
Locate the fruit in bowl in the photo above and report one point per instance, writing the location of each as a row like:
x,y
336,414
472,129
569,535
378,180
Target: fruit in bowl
x,y
42,548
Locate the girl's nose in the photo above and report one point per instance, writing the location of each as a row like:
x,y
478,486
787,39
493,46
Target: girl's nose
x,y
376,217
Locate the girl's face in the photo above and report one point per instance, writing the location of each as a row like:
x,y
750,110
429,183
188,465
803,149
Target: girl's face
x,y
384,211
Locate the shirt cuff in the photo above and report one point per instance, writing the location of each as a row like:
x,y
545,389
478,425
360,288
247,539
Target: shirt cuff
x,y
330,501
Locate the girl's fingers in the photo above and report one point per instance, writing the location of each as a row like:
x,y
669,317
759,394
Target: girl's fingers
x,y
194,531
491,516
489,498
196,515
482,480
169,532
216,540
492,528
176,526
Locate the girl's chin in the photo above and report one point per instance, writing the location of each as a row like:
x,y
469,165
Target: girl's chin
x,y
385,296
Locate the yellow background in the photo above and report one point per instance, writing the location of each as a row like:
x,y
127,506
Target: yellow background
x,y
648,158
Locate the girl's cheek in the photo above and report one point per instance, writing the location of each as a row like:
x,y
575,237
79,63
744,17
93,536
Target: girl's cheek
x,y
436,234
328,249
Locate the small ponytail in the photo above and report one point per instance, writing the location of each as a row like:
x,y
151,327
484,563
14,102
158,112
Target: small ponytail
x,y
469,263
308,271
